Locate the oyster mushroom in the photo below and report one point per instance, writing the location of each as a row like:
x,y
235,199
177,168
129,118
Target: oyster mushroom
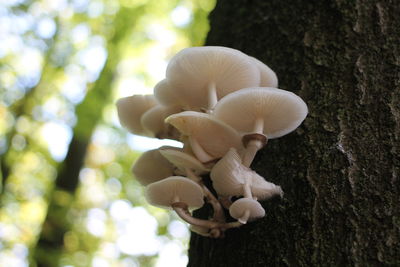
x,y
209,137
144,171
165,95
130,109
184,162
246,209
199,76
180,194
231,178
153,122
267,75
173,190
192,168
261,113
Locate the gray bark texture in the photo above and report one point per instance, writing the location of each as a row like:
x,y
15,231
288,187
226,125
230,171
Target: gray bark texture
x,y
340,169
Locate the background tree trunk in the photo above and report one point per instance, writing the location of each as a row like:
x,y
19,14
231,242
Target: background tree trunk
x,y
50,245
340,169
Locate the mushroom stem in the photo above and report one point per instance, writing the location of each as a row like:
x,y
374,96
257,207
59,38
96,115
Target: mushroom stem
x,y
258,126
225,202
181,209
247,194
245,217
203,231
216,228
251,150
212,96
254,145
247,190
231,225
219,232
187,148
218,211
199,152
192,176
218,215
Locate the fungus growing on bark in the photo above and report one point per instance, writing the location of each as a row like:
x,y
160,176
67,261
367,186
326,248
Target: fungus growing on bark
x,y
175,190
184,162
261,113
209,138
182,195
203,231
153,122
145,172
222,130
130,110
267,76
200,76
246,209
231,178
192,168
165,95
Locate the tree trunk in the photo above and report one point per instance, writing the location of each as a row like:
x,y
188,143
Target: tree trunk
x,y
340,169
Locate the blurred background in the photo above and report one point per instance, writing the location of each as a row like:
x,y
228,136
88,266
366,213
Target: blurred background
x,y
67,196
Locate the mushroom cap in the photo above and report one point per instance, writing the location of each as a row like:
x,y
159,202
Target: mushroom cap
x,y
165,95
153,122
151,166
263,189
213,135
191,71
175,189
238,210
131,108
281,111
229,175
226,175
268,77
182,160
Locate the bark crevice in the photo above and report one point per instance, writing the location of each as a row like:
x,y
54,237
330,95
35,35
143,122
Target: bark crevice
x,y
339,170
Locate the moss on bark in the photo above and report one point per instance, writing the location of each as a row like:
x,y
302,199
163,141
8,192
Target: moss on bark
x,y
340,169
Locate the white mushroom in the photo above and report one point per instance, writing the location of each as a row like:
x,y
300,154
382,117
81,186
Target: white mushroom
x,y
130,110
153,122
175,189
192,168
166,95
231,178
246,210
209,137
184,162
200,76
267,76
261,112
182,194
144,168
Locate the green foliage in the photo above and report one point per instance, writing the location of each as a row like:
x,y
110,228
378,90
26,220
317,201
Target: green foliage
x,y
62,66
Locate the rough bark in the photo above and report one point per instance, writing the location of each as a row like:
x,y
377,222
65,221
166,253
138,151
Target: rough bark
x,y
340,169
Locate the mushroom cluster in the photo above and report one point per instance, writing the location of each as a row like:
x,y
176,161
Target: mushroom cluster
x,y
223,105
